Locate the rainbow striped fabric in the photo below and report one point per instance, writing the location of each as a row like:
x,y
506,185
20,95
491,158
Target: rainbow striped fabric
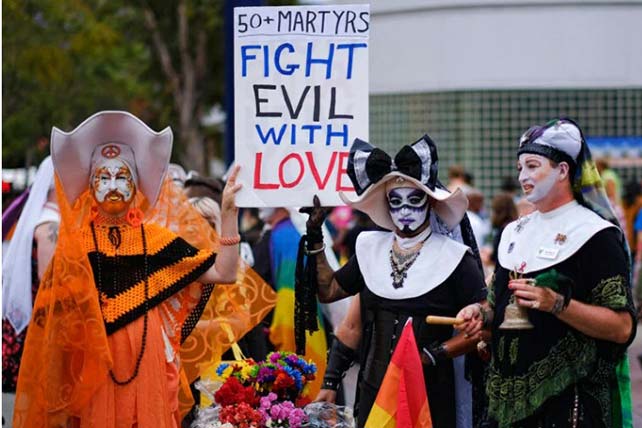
x,y
402,401
284,244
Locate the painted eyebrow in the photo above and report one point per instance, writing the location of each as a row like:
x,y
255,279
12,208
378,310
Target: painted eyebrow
x,y
393,193
123,170
418,193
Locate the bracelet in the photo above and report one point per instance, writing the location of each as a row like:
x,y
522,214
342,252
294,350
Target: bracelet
x,y
314,235
314,252
230,240
559,305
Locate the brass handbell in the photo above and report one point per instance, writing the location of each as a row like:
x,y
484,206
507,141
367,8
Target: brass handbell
x,y
515,316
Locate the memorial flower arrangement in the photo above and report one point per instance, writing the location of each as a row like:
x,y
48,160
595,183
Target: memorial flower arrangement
x,y
270,394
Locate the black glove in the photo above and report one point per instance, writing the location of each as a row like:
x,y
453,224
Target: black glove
x,y
340,359
317,215
433,354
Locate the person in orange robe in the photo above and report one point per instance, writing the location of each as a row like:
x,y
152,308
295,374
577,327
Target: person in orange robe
x,y
121,293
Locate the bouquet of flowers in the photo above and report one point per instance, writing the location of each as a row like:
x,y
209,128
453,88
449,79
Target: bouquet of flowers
x,y
269,394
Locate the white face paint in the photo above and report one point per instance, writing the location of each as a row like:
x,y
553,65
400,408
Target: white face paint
x,y
537,176
113,185
408,208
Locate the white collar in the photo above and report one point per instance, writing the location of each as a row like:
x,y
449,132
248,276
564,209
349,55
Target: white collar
x,y
541,240
438,258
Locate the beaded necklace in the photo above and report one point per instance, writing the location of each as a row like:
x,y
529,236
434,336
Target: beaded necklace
x,y
115,239
402,259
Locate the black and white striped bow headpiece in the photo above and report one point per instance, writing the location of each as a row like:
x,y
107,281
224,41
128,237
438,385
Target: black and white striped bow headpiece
x,y
368,164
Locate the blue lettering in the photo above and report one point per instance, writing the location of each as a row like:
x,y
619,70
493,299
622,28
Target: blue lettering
x,y
271,134
343,134
245,57
293,134
351,47
289,69
266,69
311,129
327,61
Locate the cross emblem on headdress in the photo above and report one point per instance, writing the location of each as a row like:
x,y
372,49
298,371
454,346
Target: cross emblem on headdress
x,y
560,239
111,151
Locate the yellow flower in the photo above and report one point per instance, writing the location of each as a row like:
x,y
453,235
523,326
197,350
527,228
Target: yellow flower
x,y
246,371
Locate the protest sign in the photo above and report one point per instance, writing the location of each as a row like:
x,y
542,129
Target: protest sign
x,y
301,98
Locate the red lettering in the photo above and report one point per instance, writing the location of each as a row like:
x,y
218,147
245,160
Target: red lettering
x,y
257,175
342,172
297,180
315,172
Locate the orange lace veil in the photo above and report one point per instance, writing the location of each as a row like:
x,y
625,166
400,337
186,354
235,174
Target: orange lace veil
x,y
66,355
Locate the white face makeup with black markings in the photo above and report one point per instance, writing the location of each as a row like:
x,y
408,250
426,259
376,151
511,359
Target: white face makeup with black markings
x,y
408,208
113,186
536,176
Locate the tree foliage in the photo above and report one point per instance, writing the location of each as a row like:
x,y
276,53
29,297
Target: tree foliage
x,y
63,60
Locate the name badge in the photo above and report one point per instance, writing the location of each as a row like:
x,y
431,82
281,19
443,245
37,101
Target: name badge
x,y
548,253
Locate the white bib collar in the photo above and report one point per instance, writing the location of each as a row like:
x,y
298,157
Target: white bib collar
x,y
438,258
541,240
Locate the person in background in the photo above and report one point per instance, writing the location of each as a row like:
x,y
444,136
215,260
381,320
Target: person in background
x,y
23,266
177,174
632,203
510,185
275,260
457,179
503,212
611,181
362,223
197,185
613,187
342,220
481,226
566,265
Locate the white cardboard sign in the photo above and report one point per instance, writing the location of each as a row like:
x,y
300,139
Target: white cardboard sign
x,y
301,98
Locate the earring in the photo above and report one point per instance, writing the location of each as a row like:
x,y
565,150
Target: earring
x,y
135,217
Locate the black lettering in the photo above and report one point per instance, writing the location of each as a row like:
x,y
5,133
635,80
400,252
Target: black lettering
x,y
323,13
298,21
317,103
258,101
333,102
338,16
285,16
294,114
309,22
350,17
365,19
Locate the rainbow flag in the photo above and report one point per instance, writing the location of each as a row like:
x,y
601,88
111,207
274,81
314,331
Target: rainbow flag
x,y
402,401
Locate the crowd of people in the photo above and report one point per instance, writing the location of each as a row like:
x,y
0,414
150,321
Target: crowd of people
x,y
99,294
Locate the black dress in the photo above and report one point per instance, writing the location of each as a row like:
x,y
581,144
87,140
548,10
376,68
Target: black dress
x,y
552,374
383,320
